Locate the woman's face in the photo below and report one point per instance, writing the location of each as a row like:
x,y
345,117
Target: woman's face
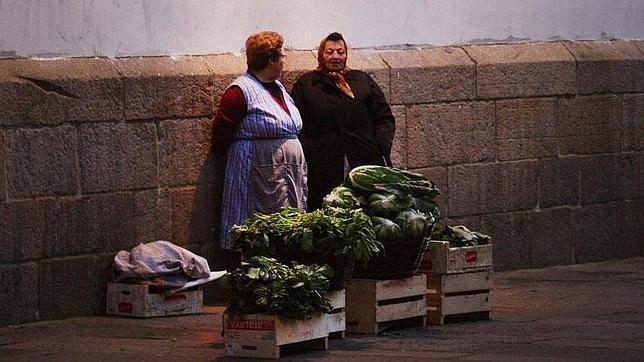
x,y
335,55
278,65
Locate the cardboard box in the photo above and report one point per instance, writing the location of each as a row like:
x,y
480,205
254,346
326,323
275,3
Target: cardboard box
x,y
261,335
135,300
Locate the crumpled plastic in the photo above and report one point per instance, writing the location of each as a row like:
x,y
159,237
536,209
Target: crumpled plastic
x,y
161,264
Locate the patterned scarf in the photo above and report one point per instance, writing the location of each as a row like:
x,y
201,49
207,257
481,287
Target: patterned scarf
x,y
340,81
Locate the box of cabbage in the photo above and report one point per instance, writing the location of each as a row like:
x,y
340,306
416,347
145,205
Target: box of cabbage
x,y
440,258
456,249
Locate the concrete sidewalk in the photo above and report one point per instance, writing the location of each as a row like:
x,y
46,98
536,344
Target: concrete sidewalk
x,y
578,312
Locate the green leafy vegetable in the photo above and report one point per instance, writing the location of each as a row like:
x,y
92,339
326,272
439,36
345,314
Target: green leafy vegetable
x,y
332,230
459,236
262,285
391,193
389,204
414,224
387,230
343,197
364,178
359,229
420,193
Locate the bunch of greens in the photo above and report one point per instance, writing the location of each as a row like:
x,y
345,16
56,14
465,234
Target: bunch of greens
x,y
343,197
400,203
262,285
459,236
332,230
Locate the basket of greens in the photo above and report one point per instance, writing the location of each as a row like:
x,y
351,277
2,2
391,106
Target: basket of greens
x,y
402,209
332,236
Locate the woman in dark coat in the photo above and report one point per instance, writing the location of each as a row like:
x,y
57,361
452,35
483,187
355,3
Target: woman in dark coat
x,y
347,121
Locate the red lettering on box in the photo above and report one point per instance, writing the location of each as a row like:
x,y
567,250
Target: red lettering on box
x,y
308,333
125,307
471,256
251,324
174,296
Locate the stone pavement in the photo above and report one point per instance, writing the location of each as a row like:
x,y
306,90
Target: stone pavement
x,y
579,312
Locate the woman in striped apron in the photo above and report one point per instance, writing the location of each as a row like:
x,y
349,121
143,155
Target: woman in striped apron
x,y
256,126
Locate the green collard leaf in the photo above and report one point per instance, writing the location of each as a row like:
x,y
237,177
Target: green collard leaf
x,y
253,273
295,292
387,230
460,236
415,225
342,197
307,240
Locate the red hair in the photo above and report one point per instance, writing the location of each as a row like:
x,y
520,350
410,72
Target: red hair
x,y
262,47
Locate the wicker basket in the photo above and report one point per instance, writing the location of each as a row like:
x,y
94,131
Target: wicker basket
x,y
400,259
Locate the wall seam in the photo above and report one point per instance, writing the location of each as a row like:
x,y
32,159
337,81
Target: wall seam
x,y
389,68
79,148
540,96
476,75
123,93
5,146
620,97
552,208
496,138
576,87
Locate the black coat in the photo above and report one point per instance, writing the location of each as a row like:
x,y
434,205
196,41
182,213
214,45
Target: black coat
x,y
336,125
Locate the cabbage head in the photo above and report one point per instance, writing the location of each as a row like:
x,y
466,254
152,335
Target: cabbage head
x,y
342,197
386,230
387,204
414,224
462,236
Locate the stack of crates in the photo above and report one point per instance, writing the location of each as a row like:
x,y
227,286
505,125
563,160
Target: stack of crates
x,y
459,282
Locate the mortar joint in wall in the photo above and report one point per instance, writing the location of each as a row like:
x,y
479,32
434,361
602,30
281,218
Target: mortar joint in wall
x,y
157,125
79,177
122,80
389,68
476,67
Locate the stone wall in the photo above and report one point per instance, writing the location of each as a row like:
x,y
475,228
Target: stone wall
x,y
539,145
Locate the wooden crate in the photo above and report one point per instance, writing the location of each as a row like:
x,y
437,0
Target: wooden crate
x,y
373,305
440,258
136,300
462,296
262,336
337,317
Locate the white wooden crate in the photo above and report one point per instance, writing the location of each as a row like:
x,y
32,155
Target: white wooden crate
x,y
462,294
261,335
136,300
440,258
337,317
371,303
